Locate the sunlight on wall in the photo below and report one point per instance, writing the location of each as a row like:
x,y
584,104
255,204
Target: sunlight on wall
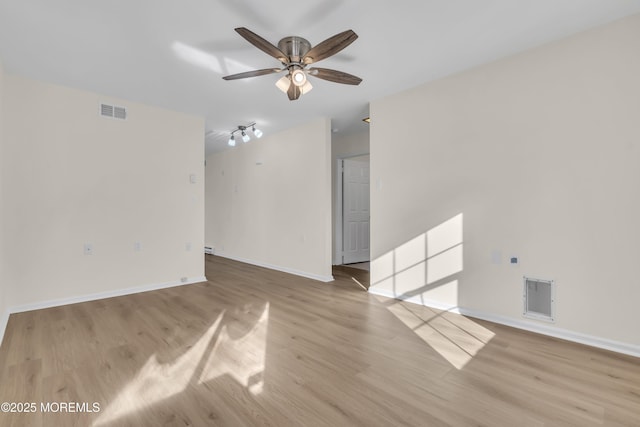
x,y
423,271
420,268
229,347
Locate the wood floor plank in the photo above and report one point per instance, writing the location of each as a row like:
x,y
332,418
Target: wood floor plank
x,y
257,347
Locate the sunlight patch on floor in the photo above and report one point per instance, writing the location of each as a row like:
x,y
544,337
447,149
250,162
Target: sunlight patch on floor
x,y
234,345
358,283
240,353
157,381
455,337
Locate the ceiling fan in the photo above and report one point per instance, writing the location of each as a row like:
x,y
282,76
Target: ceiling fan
x,y
295,54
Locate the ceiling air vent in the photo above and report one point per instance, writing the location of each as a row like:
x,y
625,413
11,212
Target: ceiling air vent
x,y
113,111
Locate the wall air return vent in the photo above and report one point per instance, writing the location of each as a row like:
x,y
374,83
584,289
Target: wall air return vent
x,y
119,113
113,111
539,296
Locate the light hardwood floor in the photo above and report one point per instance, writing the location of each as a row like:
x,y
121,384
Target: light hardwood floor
x,y
253,347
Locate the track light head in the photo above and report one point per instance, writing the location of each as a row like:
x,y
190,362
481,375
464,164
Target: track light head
x,y
245,137
256,132
232,141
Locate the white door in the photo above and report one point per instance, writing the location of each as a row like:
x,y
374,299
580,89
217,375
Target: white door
x,y
355,211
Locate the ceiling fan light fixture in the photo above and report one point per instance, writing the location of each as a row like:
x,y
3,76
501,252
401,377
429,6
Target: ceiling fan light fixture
x,y
283,83
256,132
245,137
295,53
299,77
232,141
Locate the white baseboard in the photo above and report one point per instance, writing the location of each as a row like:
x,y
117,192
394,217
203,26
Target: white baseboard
x,y
101,295
280,268
91,297
565,334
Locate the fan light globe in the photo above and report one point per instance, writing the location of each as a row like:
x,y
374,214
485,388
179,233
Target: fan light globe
x,y
283,83
232,141
306,88
299,78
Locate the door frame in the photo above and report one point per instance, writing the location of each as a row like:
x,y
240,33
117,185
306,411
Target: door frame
x,y
338,238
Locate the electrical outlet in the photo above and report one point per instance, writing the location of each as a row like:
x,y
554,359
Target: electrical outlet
x,y
88,249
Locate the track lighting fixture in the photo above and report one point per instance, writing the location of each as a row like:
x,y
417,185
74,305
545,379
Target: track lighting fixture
x,y
243,132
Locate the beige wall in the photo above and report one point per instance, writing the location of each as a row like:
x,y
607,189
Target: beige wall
x,y
4,303
343,146
72,177
350,144
534,156
276,213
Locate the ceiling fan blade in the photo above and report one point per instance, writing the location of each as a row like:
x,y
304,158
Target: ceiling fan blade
x,y
330,47
262,44
254,73
294,92
335,76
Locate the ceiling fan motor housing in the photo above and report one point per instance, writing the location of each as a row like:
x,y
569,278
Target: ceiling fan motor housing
x,y
294,47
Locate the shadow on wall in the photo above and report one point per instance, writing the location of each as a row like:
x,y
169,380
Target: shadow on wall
x,y
425,271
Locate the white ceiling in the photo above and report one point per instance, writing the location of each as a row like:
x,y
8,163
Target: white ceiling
x,y
173,53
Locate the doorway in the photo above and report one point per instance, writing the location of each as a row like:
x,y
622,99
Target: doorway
x,y
352,236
